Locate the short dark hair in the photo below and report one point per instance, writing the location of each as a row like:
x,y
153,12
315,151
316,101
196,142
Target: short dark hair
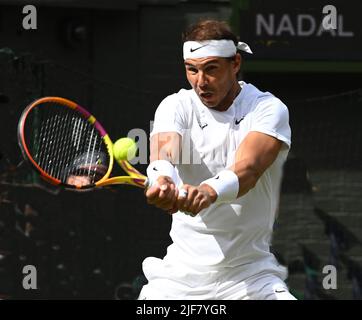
x,y
208,29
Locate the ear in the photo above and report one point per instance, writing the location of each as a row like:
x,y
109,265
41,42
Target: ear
x,y
237,63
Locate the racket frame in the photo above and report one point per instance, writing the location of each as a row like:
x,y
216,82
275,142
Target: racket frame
x,y
135,178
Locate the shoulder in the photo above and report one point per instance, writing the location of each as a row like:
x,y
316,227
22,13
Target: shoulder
x,y
264,102
270,115
179,103
181,97
272,106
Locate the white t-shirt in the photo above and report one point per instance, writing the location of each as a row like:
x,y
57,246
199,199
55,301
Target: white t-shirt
x,y
236,233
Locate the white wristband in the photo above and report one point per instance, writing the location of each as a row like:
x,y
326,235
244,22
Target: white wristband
x,y
159,168
225,184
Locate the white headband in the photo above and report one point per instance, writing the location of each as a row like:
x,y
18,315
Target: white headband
x,y
213,48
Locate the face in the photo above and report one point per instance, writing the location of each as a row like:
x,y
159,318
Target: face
x,y
214,80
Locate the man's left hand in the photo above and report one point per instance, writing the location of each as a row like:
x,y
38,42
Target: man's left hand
x,y
196,199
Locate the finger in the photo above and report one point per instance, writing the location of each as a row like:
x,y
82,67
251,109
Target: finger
x,y
182,193
197,200
154,186
164,182
186,205
203,204
182,197
152,194
195,206
171,193
164,190
173,201
168,200
170,196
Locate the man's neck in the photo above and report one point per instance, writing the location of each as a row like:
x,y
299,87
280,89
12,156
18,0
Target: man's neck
x,y
229,98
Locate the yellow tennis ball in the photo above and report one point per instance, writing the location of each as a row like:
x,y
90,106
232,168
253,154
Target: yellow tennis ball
x,y
124,149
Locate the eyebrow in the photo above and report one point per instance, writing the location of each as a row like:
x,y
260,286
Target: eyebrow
x,y
203,65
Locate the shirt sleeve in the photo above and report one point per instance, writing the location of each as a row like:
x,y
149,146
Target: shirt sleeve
x,y
169,117
272,118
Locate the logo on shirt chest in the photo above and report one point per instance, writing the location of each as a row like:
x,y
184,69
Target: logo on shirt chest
x,y
238,121
204,125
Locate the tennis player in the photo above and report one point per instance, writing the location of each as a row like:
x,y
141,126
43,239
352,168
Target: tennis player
x,y
217,152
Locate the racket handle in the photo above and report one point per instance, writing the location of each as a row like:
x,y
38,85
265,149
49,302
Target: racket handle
x,y
148,183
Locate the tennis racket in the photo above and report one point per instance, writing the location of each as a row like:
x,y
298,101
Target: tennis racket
x,y
68,147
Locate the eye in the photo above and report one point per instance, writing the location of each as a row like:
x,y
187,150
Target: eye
x,y
211,68
192,70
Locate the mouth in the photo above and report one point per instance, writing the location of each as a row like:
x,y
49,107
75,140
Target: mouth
x,y
206,95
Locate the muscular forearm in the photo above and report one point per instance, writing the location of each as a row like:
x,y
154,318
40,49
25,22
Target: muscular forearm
x,y
165,146
248,175
254,155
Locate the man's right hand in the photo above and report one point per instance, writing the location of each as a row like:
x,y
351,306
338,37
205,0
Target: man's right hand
x,y
163,194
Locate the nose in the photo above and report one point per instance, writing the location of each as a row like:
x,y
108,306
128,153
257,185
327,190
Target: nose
x,y
202,80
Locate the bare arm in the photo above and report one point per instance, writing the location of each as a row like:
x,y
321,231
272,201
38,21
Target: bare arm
x,y
163,194
165,146
254,155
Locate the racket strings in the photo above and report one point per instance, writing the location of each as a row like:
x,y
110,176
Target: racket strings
x,y
65,144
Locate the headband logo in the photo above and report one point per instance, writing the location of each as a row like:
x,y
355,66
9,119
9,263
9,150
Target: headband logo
x,y
223,48
192,50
